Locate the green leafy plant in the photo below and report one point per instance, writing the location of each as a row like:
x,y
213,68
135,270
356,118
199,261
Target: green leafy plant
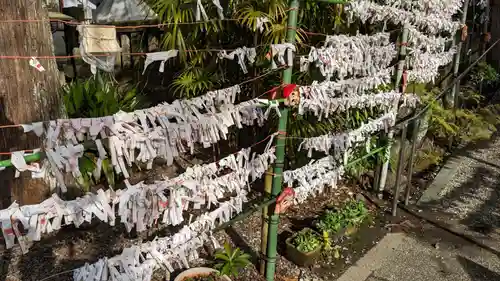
x,y
332,221
307,241
99,96
352,214
230,261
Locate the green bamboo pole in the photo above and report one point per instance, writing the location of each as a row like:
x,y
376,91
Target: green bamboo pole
x,y
268,202
484,31
452,101
268,185
397,83
280,152
456,61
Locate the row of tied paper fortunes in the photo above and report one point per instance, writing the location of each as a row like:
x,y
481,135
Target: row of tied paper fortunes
x,y
165,253
127,136
140,205
139,261
316,99
341,142
359,55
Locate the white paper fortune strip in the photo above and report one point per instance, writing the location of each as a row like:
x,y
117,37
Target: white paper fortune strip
x,y
151,133
159,56
142,205
312,178
344,141
279,52
442,8
241,54
200,10
350,87
425,65
359,55
323,106
419,41
139,261
368,11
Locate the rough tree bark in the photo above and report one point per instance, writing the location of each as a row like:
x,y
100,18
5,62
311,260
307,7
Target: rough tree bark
x,y
494,55
26,95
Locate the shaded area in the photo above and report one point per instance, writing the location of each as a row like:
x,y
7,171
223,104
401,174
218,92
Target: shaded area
x,y
476,271
473,193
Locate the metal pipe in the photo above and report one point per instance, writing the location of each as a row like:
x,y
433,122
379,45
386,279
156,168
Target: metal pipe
x,y
416,127
272,238
399,171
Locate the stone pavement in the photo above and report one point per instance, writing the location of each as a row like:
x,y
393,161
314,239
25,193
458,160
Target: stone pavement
x,y
401,257
464,198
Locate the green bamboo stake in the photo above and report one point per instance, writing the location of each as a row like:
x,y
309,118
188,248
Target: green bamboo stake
x,y
451,100
268,185
397,83
280,152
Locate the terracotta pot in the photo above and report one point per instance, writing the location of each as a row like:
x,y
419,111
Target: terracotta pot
x,y
197,271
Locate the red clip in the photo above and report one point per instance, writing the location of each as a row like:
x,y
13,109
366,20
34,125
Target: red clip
x,y
288,90
405,81
287,192
464,33
273,92
487,37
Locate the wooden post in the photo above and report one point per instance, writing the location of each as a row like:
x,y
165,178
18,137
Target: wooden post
x,y
26,95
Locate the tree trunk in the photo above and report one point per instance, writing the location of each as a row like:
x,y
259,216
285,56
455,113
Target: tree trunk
x,y
494,55
26,95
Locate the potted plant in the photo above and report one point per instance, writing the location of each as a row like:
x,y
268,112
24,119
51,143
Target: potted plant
x,y
343,221
355,213
228,263
304,247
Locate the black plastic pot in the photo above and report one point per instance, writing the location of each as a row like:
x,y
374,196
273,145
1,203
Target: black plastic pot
x,y
298,257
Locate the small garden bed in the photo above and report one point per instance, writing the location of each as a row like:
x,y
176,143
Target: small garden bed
x,y
359,230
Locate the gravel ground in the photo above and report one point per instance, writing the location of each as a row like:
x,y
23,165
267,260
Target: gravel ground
x,y
471,197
